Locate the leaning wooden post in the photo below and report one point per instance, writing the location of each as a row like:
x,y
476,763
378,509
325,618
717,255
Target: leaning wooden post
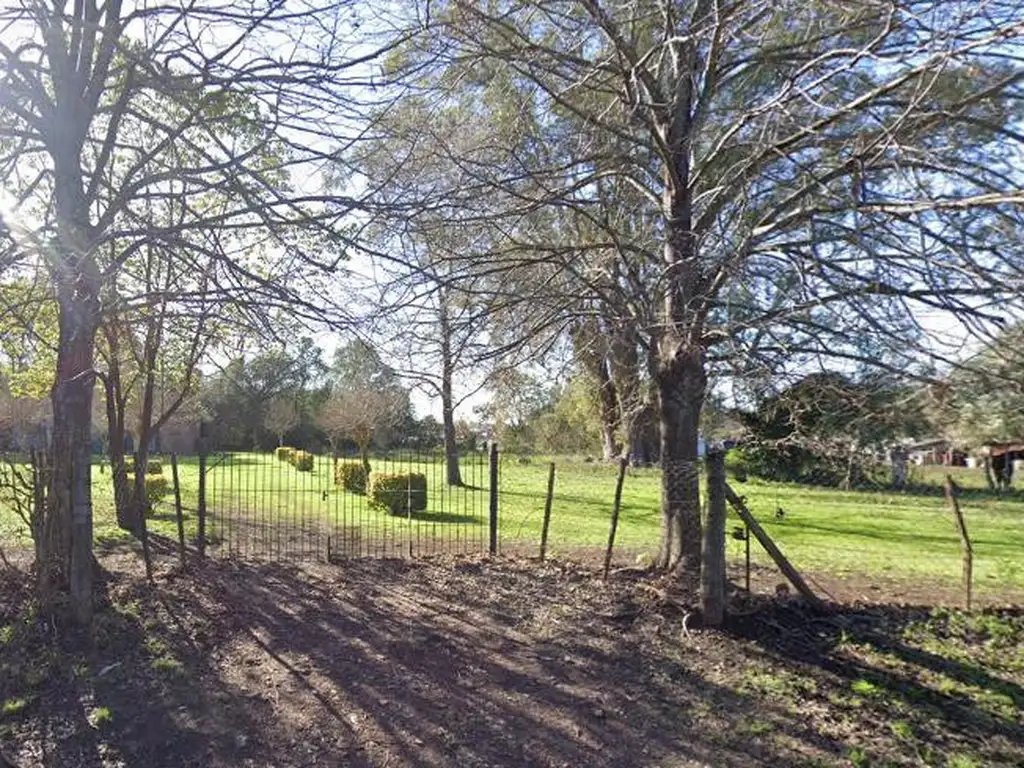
x,y
623,463
547,512
765,540
965,540
177,508
712,571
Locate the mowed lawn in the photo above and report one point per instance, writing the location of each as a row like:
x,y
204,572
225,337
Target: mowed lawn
x,y
875,533
906,534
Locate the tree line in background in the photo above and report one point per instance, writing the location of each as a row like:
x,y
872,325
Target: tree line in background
x,y
678,211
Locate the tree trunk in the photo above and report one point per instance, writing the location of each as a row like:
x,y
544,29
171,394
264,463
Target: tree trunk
x,y
682,382
67,562
119,476
451,443
852,477
364,455
115,433
643,437
609,410
988,474
140,500
593,352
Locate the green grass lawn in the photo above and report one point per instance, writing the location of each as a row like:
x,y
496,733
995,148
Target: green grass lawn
x,y
903,535
822,529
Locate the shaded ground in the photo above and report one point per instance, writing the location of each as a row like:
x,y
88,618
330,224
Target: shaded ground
x,y
470,662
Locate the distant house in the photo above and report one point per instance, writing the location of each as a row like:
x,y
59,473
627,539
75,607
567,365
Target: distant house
x,y
937,451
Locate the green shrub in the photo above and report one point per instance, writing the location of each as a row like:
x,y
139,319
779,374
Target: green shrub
x,y
285,453
157,486
303,461
400,493
350,475
153,467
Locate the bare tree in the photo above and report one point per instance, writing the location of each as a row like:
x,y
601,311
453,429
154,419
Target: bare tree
x,y
361,414
105,107
281,416
806,179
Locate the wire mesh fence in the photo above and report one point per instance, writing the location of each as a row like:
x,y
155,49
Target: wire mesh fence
x,y
866,543
863,543
259,505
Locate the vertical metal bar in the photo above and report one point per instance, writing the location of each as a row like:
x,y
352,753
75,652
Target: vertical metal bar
x,y
494,499
201,502
177,508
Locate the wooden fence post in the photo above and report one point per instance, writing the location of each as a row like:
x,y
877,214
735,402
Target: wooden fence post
x,y
765,540
712,572
140,488
547,512
746,554
177,508
494,499
965,541
623,463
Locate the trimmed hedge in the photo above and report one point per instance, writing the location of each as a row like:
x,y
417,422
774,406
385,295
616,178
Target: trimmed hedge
x,y
153,467
399,493
157,486
304,461
350,475
285,453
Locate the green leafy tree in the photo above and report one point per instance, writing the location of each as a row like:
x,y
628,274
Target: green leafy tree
x,y
239,397
831,429
983,400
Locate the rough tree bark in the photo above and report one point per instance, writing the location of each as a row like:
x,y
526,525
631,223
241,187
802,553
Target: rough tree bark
x,y
593,354
66,550
67,560
451,443
140,501
682,382
116,407
609,410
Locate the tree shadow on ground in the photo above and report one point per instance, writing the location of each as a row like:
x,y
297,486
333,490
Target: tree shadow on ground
x,y
866,647
128,691
468,662
435,681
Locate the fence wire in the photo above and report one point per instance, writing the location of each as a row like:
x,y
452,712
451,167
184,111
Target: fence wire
x,y
263,507
871,542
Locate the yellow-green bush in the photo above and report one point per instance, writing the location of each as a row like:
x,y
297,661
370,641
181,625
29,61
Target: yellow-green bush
x,y
303,461
153,467
157,486
285,453
350,475
398,493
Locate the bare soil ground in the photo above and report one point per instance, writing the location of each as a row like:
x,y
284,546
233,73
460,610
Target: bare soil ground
x,y
505,662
